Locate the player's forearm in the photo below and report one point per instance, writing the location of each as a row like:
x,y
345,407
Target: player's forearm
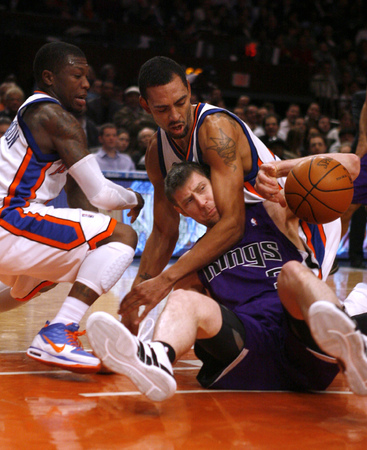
x,y
76,197
213,244
362,139
156,255
349,161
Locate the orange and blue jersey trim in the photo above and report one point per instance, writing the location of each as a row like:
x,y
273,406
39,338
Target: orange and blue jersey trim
x,y
316,241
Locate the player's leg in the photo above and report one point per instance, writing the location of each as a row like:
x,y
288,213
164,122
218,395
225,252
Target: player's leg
x,y
187,316
307,298
57,343
7,302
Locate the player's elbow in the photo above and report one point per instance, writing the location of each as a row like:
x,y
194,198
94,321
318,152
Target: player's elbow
x,y
355,166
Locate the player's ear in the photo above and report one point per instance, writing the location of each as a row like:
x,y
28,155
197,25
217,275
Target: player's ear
x,y
144,104
47,77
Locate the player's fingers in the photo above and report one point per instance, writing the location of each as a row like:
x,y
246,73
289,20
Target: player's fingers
x,y
142,316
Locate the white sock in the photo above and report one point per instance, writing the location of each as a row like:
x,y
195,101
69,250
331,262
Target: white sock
x,y
72,310
356,302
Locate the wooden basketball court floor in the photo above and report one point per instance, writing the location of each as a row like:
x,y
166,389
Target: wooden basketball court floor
x,y
42,407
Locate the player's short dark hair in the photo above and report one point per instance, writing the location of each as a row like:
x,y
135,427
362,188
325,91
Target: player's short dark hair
x,y
159,71
53,56
179,173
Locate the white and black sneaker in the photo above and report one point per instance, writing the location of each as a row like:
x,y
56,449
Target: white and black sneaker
x,y
335,333
146,364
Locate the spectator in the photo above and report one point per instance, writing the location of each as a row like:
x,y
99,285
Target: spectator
x,y
313,114
288,122
325,90
3,88
295,142
144,136
108,157
89,127
243,101
280,148
271,128
240,112
346,121
131,115
317,145
102,109
4,125
346,136
252,120
13,99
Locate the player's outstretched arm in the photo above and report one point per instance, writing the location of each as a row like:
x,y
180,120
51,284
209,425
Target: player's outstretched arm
x,y
219,142
266,180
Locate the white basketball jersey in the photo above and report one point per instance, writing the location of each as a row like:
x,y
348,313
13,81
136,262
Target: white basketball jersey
x,y
26,174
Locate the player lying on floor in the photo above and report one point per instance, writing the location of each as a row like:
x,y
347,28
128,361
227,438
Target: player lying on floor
x,y
249,334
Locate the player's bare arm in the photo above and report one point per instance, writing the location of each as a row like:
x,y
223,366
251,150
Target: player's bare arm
x,y
267,184
361,149
162,240
219,139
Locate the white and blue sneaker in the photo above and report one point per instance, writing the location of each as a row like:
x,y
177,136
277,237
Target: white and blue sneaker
x,y
335,333
146,364
59,345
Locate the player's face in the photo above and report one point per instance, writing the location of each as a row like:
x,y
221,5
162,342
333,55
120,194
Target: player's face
x,y
70,85
196,200
170,107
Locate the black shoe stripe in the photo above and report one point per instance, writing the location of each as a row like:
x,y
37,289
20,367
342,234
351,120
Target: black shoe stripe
x,y
149,361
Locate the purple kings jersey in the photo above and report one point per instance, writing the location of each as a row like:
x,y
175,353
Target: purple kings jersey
x,y
244,279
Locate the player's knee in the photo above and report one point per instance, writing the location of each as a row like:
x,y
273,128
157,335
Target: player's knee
x,y
290,276
122,233
182,300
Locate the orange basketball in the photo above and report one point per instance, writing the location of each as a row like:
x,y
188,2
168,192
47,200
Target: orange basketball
x,y
318,190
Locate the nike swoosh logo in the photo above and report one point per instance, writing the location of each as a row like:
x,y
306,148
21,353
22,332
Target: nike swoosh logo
x,y
54,346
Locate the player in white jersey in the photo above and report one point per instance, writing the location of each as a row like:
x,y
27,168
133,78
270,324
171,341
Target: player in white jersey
x,y
209,136
43,151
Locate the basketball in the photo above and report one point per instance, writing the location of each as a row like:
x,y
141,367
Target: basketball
x,y
318,190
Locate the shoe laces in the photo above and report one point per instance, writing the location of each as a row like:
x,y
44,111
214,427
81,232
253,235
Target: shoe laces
x,y
145,328
73,338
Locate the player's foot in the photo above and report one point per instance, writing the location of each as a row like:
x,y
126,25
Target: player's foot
x,y
146,364
336,334
59,345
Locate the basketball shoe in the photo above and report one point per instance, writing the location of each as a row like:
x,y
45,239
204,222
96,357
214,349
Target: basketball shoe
x,y
335,333
59,345
146,364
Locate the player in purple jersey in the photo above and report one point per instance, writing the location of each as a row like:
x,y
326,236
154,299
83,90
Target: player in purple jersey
x,y
250,328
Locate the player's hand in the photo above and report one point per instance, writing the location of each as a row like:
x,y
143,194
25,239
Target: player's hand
x,y
134,212
267,184
130,322
148,293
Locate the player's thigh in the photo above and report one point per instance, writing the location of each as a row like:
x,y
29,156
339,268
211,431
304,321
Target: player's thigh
x,y
122,233
47,255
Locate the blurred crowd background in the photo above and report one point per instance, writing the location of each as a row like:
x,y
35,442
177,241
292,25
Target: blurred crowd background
x,y
294,71
288,68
